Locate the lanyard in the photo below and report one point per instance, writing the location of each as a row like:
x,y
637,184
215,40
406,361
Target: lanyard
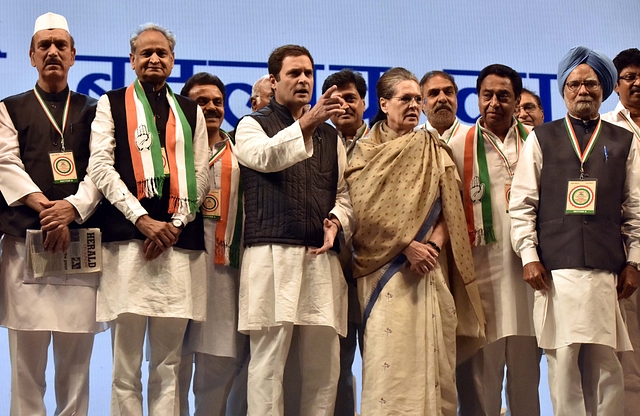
x,y
582,156
504,158
631,124
53,121
217,154
454,129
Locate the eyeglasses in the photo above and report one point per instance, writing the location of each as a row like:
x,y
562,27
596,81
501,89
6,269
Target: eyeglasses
x,y
528,107
630,78
406,99
590,85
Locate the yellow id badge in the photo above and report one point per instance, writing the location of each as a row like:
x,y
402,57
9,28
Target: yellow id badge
x,y
165,162
211,206
507,194
581,197
63,166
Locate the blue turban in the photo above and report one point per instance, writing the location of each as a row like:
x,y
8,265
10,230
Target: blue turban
x,y
601,64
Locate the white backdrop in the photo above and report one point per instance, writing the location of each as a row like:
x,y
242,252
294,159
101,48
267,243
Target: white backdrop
x,y
233,39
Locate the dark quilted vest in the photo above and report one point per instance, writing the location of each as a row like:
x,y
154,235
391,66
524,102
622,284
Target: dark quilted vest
x,y
121,229
576,241
289,207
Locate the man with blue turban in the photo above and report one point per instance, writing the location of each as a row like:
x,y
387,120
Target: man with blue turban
x,y
575,222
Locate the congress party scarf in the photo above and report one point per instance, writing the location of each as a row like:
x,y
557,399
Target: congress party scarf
x,y
229,226
146,152
477,191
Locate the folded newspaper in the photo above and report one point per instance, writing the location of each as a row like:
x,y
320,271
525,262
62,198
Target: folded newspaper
x,y
84,254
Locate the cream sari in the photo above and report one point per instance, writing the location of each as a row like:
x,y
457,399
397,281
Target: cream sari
x,y
399,186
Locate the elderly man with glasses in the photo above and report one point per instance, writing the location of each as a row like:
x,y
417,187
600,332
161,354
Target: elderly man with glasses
x,y
576,225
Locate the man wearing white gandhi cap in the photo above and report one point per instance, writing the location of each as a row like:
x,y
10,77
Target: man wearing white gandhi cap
x,y
38,128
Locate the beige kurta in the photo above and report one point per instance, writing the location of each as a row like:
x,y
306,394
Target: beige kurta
x,y
507,299
174,284
218,334
43,307
285,283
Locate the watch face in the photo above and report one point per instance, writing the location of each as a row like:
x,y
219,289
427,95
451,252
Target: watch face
x,y
177,223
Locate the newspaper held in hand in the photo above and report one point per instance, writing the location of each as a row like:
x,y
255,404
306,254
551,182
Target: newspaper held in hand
x,y
84,254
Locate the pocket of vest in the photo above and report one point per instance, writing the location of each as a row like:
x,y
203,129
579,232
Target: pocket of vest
x,y
553,223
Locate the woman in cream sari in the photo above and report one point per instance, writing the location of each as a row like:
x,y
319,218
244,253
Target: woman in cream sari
x,y
405,194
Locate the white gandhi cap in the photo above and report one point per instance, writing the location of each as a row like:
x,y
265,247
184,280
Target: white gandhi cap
x,y
50,21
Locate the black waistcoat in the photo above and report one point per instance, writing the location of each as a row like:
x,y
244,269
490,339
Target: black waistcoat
x,y
37,138
576,241
119,228
289,207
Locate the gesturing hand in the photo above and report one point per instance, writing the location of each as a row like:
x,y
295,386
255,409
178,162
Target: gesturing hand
x,y
330,231
329,104
422,257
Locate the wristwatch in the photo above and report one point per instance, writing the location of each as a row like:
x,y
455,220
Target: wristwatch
x,y
177,223
634,265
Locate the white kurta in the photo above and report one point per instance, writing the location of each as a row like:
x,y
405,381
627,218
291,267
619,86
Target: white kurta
x,y
62,307
218,334
457,129
506,298
174,284
284,283
568,313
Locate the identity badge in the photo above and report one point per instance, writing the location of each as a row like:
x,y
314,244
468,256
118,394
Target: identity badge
x,y
581,197
63,166
165,162
211,206
507,194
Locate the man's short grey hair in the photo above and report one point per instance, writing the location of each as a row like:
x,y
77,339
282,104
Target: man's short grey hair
x,y
254,89
152,26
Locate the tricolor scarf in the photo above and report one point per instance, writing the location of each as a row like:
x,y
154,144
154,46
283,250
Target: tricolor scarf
x,y
229,226
146,153
448,134
477,204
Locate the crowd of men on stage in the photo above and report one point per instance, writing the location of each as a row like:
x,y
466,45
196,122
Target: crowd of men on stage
x,y
222,248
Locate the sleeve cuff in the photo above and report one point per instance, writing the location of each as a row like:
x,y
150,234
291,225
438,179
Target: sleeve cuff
x,y
529,255
634,255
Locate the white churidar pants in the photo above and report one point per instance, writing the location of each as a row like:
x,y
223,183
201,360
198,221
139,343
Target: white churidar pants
x,y
71,354
319,357
165,340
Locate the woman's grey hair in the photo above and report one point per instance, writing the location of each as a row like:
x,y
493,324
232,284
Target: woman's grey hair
x,y
152,26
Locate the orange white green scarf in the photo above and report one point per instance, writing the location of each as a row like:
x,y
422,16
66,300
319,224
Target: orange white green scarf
x,y
229,225
146,152
477,201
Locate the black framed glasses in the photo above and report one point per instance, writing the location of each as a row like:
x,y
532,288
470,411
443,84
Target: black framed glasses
x,y
630,78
